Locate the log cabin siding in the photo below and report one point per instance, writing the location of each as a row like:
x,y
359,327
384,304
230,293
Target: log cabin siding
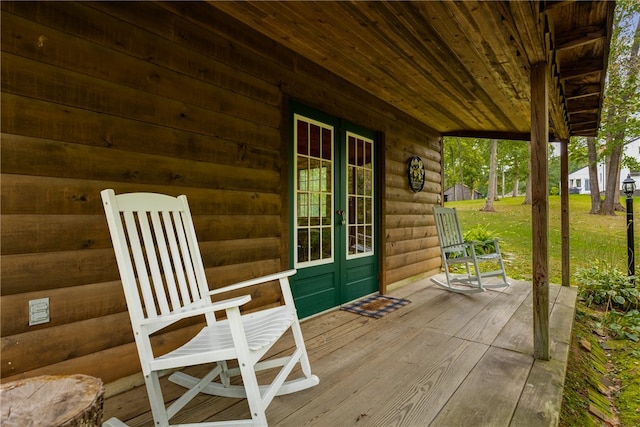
x,y
175,98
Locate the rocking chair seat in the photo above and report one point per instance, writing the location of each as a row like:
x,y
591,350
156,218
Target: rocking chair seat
x,y
215,342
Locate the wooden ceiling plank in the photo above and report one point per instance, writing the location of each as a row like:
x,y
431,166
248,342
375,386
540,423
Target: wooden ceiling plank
x,y
311,23
580,36
580,90
498,73
422,80
450,65
426,56
526,21
554,5
271,19
455,70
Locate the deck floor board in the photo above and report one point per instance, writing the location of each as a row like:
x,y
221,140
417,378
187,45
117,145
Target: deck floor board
x,y
445,359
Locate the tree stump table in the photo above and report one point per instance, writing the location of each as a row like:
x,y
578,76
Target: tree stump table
x,y
52,400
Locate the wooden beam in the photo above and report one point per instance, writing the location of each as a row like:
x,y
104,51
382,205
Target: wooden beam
x,y
564,207
540,208
580,90
585,104
584,118
581,67
552,4
580,36
582,127
513,136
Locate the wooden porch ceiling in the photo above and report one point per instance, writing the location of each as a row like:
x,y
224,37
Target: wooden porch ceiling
x,y
461,68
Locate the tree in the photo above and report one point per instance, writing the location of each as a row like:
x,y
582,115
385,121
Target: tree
x,y
593,175
622,97
491,193
462,157
513,156
527,193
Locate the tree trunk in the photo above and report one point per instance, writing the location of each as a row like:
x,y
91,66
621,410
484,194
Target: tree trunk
x,y
617,117
493,181
593,176
516,180
612,198
527,192
461,174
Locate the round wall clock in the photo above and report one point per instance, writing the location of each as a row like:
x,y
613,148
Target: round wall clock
x,y
416,174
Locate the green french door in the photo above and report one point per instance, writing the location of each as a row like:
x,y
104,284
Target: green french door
x,y
333,211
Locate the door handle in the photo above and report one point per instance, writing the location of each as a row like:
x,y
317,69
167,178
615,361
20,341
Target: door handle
x,y
340,212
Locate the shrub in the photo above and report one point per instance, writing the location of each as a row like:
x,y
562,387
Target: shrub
x,y
482,238
607,287
616,294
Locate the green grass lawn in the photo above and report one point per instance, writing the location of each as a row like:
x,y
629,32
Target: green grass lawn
x,y
592,237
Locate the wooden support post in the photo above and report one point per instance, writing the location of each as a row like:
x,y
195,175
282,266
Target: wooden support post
x,y
564,214
540,208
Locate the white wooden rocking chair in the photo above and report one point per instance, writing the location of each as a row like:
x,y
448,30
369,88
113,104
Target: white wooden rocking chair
x,y
456,251
164,282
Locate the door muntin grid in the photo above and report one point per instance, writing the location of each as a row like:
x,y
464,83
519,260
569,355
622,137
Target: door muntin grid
x,y
359,193
314,197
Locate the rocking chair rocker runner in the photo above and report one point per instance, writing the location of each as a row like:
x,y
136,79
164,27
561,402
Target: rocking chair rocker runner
x,y
456,251
164,281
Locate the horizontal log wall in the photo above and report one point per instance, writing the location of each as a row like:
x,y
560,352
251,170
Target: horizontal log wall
x,y
164,97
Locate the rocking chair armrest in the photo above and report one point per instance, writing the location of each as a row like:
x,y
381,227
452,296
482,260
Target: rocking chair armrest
x,y
495,242
484,241
163,321
252,282
457,245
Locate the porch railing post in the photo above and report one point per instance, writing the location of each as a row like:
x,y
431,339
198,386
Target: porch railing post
x,y
540,208
564,214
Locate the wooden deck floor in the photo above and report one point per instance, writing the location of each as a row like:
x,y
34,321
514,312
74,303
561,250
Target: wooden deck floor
x,y
443,360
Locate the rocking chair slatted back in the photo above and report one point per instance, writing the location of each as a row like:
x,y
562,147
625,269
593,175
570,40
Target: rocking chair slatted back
x,y
449,230
161,256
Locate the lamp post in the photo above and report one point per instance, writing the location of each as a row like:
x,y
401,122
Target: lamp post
x,y
629,187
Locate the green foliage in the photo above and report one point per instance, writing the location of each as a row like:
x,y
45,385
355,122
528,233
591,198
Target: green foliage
x,y
620,298
467,159
482,239
603,285
625,325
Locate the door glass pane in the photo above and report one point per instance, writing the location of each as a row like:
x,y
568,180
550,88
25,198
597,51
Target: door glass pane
x,y
314,243
327,143
303,137
303,245
359,189
303,209
303,173
314,141
326,209
314,191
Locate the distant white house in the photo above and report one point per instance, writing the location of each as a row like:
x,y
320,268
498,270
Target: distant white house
x,y
579,182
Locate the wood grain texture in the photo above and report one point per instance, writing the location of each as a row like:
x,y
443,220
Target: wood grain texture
x,y
170,98
65,401
540,208
501,375
424,370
